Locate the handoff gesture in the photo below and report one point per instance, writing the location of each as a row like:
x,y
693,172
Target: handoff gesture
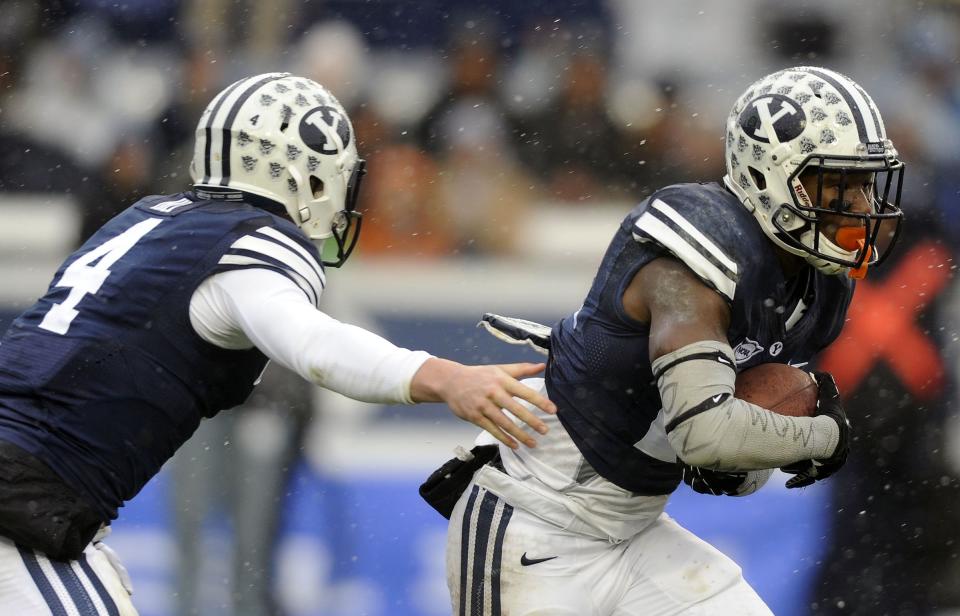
x,y
479,394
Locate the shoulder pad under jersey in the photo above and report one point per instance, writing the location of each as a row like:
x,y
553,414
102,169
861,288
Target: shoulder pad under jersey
x,y
707,228
254,238
283,249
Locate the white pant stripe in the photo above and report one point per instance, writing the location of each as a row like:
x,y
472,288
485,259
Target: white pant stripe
x,y
484,523
92,593
58,587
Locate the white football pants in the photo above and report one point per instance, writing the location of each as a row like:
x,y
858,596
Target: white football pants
x,y
33,585
504,561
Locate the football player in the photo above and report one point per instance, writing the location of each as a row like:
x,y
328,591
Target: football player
x,y
169,313
699,281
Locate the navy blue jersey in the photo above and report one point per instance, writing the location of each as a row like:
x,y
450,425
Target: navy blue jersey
x,y
104,377
599,371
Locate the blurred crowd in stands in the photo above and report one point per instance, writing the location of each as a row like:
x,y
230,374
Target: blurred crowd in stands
x,y
468,113
463,128
475,115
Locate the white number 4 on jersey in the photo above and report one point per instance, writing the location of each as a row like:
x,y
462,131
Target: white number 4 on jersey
x,y
87,274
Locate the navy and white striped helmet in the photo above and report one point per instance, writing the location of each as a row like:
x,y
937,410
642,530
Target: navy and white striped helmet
x,y
287,139
804,119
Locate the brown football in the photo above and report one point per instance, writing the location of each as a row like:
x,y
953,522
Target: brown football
x,y
779,388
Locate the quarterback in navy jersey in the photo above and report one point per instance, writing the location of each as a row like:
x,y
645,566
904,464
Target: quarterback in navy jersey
x,y
699,281
169,314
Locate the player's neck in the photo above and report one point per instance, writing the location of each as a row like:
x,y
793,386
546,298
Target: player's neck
x,y
790,263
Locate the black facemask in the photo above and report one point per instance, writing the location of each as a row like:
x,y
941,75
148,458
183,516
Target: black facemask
x,y
347,223
886,214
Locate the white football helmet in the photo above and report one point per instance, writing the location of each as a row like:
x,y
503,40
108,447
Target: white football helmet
x,y
813,119
286,139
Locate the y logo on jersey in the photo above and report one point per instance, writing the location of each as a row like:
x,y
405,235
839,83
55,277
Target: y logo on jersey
x,y
746,349
773,118
326,130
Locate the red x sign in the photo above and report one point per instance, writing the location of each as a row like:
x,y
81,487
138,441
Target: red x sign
x,y
881,326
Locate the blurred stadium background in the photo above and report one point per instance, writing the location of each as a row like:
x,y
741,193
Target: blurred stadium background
x,y
505,140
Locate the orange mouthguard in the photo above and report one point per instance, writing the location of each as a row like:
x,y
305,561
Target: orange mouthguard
x,y
855,238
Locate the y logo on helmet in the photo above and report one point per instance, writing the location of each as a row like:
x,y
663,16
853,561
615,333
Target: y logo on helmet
x,y
773,118
320,125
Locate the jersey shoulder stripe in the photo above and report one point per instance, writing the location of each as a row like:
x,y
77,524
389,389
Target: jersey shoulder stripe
x,y
271,249
666,226
232,262
308,256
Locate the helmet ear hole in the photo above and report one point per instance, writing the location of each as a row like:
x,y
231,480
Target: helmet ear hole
x,y
316,186
759,180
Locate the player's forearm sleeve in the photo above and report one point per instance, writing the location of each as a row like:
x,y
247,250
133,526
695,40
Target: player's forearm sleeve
x,y
707,426
277,318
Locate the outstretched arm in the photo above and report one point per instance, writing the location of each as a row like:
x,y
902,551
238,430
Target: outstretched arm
x,y
255,307
479,393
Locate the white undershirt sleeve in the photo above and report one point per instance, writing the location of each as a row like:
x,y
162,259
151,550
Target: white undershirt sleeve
x,y
256,307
